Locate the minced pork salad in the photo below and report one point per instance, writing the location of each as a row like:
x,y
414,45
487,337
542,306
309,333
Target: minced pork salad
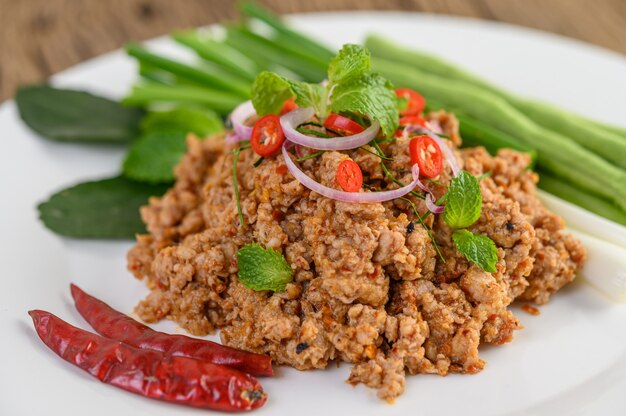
x,y
339,221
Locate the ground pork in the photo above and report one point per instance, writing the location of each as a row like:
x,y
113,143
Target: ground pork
x,y
370,285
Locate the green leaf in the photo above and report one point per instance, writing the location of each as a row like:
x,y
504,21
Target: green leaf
x,y
189,119
463,201
478,249
368,94
269,93
351,88
152,157
351,61
107,208
263,269
69,115
310,95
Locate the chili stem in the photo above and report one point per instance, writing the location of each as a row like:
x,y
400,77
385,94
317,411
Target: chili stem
x,y
304,130
310,156
236,153
426,227
376,154
388,173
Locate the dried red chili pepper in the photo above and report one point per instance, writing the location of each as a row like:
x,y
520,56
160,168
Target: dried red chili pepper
x,y
148,373
115,325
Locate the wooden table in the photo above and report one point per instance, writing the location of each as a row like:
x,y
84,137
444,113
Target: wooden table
x,y
41,37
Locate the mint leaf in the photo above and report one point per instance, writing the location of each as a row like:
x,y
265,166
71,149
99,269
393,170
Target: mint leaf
x,y
463,201
108,208
70,115
269,92
261,269
351,87
477,248
152,157
351,61
368,94
188,119
310,95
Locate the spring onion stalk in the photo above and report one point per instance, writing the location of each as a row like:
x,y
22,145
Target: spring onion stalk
x,y
621,131
266,50
475,133
605,142
609,145
219,53
253,10
556,153
566,191
150,93
197,75
287,48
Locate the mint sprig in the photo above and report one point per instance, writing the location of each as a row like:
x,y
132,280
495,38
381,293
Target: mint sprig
x,y
463,201
463,205
351,87
263,269
478,249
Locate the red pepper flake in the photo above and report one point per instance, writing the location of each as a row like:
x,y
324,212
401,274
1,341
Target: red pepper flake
x,y
531,310
281,169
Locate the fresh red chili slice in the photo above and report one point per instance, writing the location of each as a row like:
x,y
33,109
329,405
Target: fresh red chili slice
x,y
267,135
118,326
148,373
342,125
415,102
416,120
411,120
349,176
426,153
289,106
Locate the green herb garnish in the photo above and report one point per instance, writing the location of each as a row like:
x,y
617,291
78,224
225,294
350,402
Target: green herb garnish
x,y
351,87
463,206
263,269
426,227
478,249
68,115
152,157
199,121
312,132
463,201
311,156
107,208
236,151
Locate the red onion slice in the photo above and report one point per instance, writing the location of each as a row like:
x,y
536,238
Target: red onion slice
x,y
238,118
432,207
447,151
293,119
233,138
361,197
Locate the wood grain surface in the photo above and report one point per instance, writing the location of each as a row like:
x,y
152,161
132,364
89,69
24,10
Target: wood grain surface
x,y
41,37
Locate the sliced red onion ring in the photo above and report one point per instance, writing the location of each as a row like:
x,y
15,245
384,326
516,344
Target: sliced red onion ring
x,y
435,126
449,154
293,119
238,118
432,207
299,151
361,197
233,138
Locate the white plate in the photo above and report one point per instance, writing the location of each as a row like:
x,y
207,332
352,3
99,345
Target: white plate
x,y
571,359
